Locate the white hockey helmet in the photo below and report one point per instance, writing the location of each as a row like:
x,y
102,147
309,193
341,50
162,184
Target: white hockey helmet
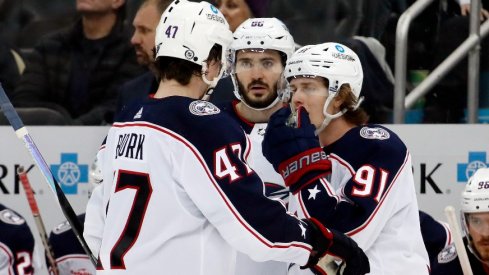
x,y
475,198
333,61
189,30
261,34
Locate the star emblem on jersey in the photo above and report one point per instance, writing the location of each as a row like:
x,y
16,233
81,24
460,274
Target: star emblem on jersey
x,y
313,192
203,108
303,230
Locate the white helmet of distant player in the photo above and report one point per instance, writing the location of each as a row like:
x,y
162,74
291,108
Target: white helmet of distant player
x,y
475,199
95,176
333,61
189,30
259,34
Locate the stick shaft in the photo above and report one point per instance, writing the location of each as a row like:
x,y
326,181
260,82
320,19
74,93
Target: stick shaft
x,y
38,219
457,238
22,133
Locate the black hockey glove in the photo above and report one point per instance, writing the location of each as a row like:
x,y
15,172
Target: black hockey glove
x,y
328,241
294,152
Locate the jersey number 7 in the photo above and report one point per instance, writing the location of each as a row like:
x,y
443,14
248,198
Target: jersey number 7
x,y
142,184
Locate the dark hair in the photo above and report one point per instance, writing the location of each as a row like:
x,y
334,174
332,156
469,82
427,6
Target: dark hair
x,y
354,116
161,5
182,70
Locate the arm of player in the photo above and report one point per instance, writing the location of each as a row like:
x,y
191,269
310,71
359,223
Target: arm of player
x,y
245,218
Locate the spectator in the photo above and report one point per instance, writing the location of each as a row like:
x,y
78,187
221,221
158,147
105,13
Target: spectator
x,y
76,70
475,223
237,11
17,254
143,40
9,71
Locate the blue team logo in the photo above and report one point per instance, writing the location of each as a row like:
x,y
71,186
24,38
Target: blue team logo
x,y
340,49
466,170
69,173
214,9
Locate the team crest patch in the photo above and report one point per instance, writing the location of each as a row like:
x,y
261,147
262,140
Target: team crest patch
x,y
62,227
203,108
10,217
374,133
448,254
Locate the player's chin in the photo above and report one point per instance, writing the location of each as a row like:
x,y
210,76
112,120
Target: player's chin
x,y
483,250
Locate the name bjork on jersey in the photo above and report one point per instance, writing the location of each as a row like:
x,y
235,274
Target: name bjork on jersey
x,y
130,146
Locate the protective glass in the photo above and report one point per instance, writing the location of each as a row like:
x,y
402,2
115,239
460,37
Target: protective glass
x,y
478,222
259,60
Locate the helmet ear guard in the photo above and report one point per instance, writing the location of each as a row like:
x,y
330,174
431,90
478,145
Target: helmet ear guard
x,y
189,30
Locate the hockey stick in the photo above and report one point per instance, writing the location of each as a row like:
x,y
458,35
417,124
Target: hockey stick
x,y
457,238
22,133
37,218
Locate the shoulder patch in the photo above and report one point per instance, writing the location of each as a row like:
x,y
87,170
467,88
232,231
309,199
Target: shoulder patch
x,y
203,108
448,254
62,227
374,133
10,217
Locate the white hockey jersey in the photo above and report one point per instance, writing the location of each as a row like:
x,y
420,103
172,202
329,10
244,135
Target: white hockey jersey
x,y
180,199
371,172
274,187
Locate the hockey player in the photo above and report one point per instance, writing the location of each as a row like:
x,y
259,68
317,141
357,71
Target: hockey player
x,y
371,166
16,244
259,51
174,173
475,223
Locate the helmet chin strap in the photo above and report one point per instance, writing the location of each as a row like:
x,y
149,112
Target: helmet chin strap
x,y
329,117
277,99
212,83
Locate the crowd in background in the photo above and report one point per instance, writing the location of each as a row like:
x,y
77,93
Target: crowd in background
x,y
64,62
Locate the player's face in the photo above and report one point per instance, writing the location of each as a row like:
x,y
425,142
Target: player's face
x,y
310,93
478,224
143,39
235,12
98,6
258,72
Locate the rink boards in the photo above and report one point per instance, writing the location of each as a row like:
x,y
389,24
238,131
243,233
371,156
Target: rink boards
x,y
444,156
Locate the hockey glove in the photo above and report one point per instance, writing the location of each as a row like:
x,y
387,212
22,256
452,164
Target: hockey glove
x,y
328,241
294,152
